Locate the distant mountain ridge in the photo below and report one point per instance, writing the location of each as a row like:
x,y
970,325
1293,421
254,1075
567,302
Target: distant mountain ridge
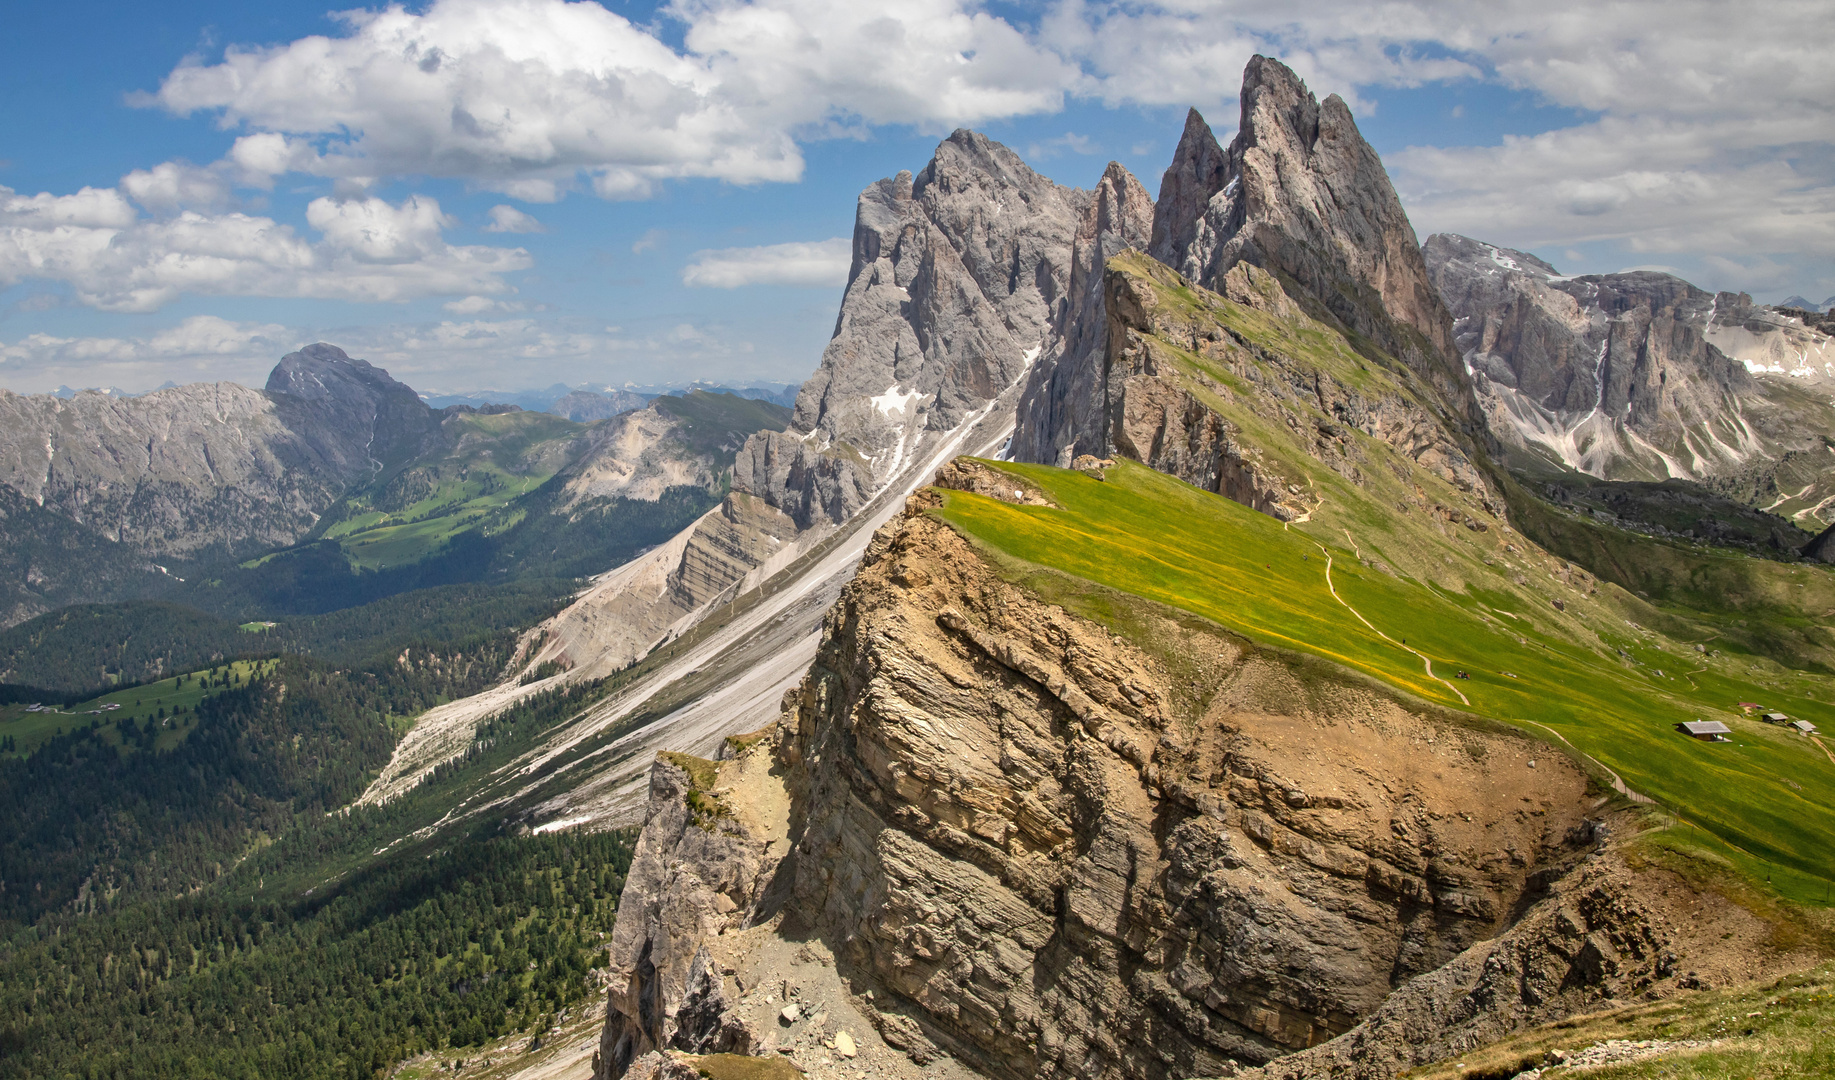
x,y
137,490
1642,376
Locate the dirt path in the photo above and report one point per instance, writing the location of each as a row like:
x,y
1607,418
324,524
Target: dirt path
x,y
1825,749
1618,783
1426,663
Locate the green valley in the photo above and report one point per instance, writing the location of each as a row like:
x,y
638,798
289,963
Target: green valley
x,y
492,461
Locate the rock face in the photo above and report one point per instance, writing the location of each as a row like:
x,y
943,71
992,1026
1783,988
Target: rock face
x,y
212,465
351,411
1031,847
1241,394
960,276
1622,376
1297,215
1300,194
687,441
1064,400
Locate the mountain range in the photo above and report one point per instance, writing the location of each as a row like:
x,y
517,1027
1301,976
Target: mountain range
x,y
1203,634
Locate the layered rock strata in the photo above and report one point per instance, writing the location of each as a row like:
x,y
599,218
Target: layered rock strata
x,y
1043,849
1641,376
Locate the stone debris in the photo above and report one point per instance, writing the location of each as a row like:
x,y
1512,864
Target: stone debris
x,y
844,1045
1611,1052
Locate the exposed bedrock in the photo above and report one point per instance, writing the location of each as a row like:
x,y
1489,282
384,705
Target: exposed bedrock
x,y
1299,193
1048,849
959,280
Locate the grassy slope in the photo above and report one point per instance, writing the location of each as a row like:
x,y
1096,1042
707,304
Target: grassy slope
x,y
495,460
139,704
1482,601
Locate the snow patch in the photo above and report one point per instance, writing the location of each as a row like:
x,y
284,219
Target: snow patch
x,y
563,823
892,401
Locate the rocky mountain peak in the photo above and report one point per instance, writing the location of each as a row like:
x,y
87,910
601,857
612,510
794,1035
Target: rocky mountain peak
x,y
1198,171
324,371
1629,376
1061,413
344,405
1300,193
958,281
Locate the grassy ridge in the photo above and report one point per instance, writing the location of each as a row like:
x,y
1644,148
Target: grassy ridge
x,y
1768,795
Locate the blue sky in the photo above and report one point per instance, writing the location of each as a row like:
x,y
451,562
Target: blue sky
x,y
509,193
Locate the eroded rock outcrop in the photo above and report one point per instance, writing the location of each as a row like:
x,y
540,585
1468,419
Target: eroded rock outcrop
x,y
1048,852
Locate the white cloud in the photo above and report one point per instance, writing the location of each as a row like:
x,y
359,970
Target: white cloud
x,y
508,219
115,260
529,96
1070,141
649,241
821,262
478,305
178,185
199,343
1698,127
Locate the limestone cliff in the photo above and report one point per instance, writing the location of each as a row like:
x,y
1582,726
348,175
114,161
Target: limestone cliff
x,y
211,465
1059,414
1034,845
1241,393
1298,206
1299,193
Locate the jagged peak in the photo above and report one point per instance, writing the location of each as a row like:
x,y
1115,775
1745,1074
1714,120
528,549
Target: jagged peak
x,y
1198,171
1273,95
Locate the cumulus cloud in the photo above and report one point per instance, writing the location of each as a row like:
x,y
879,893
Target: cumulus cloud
x,y
178,185
529,96
508,219
202,343
117,260
1694,133
820,262
534,98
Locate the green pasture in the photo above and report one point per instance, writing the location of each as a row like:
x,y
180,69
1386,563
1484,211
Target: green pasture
x,y
494,460
177,696
1767,795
